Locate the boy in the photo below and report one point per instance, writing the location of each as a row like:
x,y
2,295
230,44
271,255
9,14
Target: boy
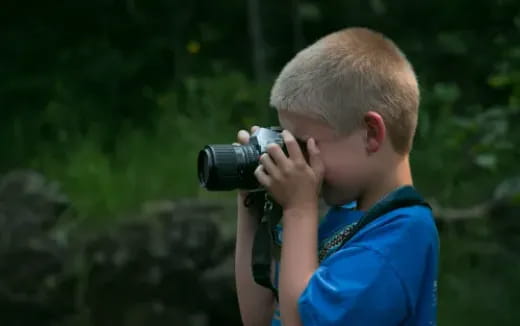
x,y
352,99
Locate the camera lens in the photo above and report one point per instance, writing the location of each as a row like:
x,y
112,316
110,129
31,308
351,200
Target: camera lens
x,y
204,165
227,167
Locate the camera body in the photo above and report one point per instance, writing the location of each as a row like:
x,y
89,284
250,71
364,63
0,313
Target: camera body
x,y
228,167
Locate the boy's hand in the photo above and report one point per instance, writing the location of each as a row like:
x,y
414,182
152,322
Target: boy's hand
x,y
293,183
243,139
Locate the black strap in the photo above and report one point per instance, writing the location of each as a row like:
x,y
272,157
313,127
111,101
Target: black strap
x,y
262,256
405,196
263,243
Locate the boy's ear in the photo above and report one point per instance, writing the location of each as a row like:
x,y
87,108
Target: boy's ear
x,y
375,131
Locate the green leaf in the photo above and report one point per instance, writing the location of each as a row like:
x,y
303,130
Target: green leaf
x,y
488,161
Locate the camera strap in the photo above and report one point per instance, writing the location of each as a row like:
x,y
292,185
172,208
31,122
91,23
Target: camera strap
x,y
402,197
405,196
263,251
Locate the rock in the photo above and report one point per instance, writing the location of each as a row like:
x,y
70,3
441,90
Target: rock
x,y
164,255
169,263
32,283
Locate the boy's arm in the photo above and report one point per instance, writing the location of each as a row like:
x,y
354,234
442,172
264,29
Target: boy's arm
x,y
383,277
299,260
357,285
256,302
295,185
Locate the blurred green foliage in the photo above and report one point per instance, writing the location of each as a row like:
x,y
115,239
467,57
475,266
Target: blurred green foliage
x,y
114,98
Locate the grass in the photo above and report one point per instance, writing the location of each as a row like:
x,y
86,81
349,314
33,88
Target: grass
x,y
152,163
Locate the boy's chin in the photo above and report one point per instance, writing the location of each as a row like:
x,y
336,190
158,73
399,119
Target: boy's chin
x,y
333,197
333,201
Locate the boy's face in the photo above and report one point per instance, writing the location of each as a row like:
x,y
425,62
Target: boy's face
x,y
345,158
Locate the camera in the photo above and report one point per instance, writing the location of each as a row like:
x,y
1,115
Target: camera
x,y
228,167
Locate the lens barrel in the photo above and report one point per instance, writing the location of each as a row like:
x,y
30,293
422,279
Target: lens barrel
x,y
227,167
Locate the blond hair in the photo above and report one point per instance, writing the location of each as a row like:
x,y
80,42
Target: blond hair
x,y
346,74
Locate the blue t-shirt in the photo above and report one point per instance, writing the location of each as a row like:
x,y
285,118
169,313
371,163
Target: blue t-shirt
x,y
385,275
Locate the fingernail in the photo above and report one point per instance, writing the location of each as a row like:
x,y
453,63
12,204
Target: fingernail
x,y
314,147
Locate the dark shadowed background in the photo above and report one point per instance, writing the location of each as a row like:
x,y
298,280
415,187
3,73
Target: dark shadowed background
x,y
106,103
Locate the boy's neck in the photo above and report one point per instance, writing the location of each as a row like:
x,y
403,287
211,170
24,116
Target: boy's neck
x,y
401,176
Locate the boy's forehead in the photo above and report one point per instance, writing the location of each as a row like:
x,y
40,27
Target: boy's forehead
x,y
302,126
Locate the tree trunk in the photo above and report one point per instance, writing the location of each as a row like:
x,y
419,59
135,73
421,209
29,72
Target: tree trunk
x,y
257,41
298,40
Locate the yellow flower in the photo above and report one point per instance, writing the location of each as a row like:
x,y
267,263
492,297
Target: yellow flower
x,y
193,47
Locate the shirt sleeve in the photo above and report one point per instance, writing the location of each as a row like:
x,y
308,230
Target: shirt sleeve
x,y
354,286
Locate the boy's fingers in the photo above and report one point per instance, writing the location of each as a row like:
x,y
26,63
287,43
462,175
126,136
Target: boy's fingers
x,y
314,157
295,153
243,137
262,177
277,155
269,166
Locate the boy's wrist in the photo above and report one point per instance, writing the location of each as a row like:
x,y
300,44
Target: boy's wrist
x,y
250,203
241,197
301,211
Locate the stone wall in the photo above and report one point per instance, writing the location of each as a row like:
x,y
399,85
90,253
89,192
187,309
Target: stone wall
x,y
169,264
